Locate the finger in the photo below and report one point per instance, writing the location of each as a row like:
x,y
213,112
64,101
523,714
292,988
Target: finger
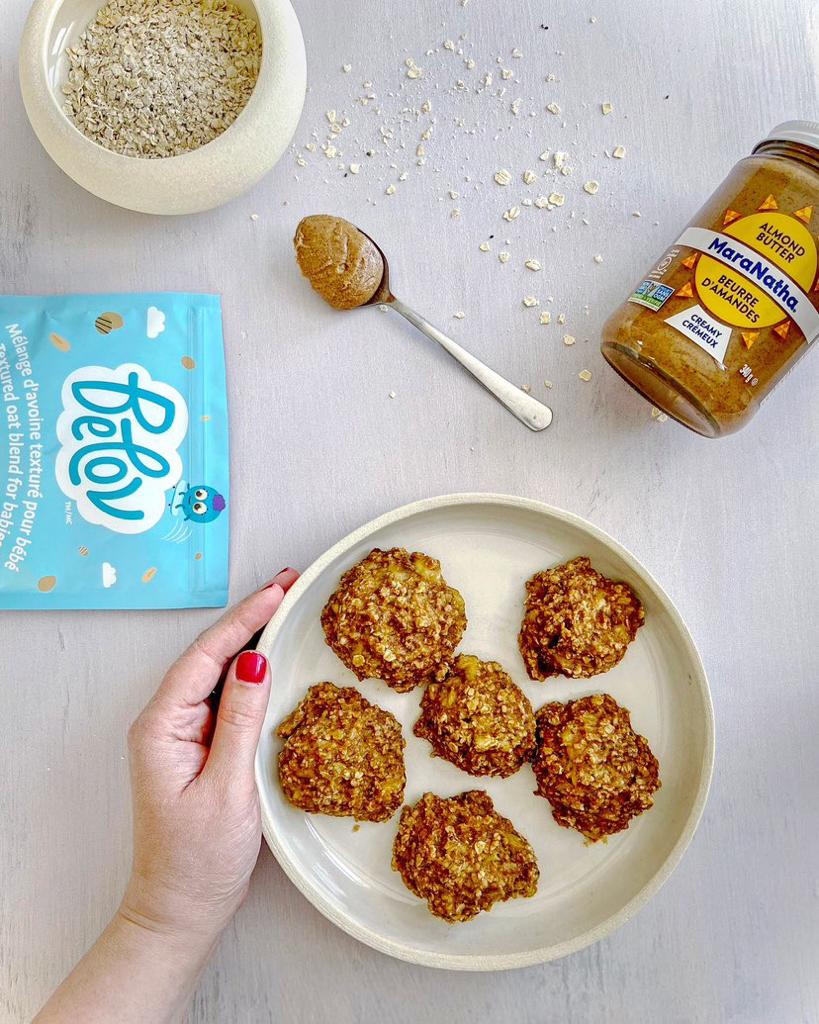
x,y
241,714
192,678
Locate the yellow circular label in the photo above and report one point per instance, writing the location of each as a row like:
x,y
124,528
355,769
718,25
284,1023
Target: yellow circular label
x,y
733,298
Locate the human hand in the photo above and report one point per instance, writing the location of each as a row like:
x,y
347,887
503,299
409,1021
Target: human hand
x,y
197,826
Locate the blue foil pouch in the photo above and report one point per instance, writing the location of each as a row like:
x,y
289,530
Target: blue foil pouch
x,y
114,487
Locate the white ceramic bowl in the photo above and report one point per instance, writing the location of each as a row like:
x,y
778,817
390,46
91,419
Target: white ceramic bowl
x,y
204,178
488,546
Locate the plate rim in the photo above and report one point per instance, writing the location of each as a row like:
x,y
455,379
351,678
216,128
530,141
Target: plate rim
x,y
543,954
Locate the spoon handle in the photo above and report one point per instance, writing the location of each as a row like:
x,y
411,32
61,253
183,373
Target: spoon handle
x,y
528,410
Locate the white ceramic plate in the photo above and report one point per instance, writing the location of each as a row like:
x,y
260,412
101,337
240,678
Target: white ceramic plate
x,y
488,546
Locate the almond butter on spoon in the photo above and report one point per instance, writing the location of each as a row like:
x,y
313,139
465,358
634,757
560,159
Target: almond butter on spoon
x,y
348,270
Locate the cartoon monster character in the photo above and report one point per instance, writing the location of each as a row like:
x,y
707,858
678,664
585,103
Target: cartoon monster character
x,y
201,504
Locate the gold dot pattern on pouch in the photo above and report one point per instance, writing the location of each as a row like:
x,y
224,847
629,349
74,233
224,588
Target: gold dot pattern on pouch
x,y
188,363
149,574
107,322
46,584
60,343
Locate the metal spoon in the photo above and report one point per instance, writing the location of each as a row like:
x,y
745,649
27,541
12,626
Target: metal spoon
x,y
528,410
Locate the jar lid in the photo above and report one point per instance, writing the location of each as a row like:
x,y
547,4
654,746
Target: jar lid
x,y
805,133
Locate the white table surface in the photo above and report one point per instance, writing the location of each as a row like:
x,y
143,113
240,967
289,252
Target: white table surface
x,y
729,527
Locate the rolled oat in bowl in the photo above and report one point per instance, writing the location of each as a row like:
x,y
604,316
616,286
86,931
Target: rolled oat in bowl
x,y
158,78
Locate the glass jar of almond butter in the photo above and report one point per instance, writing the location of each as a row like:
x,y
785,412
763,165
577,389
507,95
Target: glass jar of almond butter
x,y
734,302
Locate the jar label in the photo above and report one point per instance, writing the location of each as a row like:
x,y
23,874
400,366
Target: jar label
x,y
754,273
704,330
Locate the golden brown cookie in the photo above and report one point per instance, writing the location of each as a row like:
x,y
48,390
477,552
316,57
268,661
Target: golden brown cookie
x,y
338,260
576,622
461,856
592,767
342,755
478,719
393,617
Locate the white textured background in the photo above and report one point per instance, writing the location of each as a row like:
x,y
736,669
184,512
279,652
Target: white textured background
x,y
729,527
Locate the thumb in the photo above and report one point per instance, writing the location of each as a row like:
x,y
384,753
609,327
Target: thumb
x,y
241,714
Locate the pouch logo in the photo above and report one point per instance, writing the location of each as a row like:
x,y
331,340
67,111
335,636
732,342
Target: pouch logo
x,y
119,432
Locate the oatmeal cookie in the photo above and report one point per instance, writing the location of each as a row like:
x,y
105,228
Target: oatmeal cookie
x,y
592,767
342,755
478,719
394,618
461,856
576,622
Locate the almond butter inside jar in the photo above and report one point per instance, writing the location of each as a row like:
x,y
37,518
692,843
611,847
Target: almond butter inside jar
x,y
734,302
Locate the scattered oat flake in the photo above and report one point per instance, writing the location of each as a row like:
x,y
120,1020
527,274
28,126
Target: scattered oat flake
x,y
618,152
529,177
512,213
606,108
533,265
426,106
658,414
331,116
548,384
503,177
403,176
597,258
449,45
591,187
553,108
568,339
541,202
391,394
453,194
544,155
301,161
459,315
355,168
514,106
330,152
414,72
561,318
530,300
484,246
517,53
526,387
585,375
254,216
506,74
389,190
557,199
504,257
545,317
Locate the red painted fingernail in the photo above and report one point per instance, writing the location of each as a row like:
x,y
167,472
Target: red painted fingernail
x,y
251,667
275,579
